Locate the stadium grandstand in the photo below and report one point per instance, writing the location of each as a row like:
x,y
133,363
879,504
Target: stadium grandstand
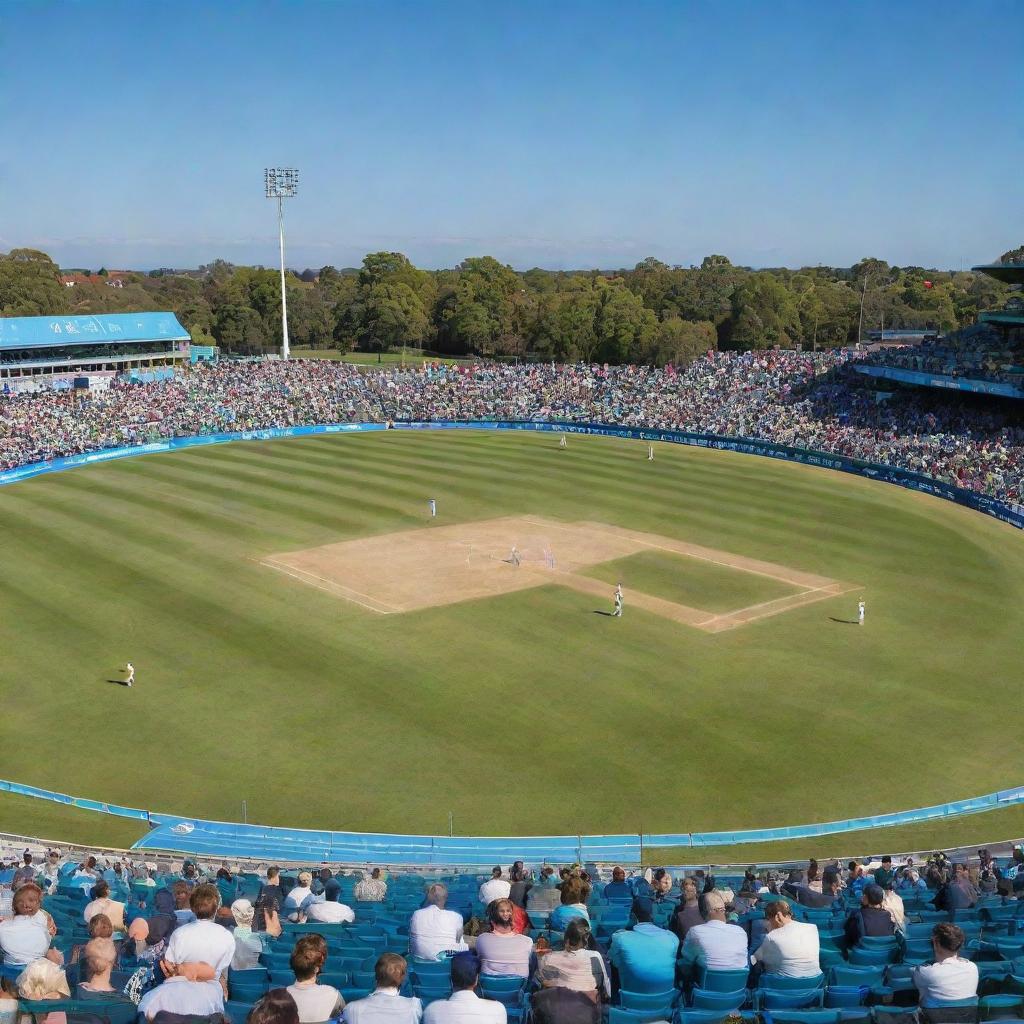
x,y
40,352
986,358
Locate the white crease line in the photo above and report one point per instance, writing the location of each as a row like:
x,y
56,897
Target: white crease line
x,y
332,588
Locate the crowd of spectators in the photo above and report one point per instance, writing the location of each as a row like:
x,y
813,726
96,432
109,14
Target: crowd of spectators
x,y
806,400
671,932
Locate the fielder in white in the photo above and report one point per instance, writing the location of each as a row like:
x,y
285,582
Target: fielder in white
x,y
650,453
561,444
514,556
129,674
618,601
433,507
860,612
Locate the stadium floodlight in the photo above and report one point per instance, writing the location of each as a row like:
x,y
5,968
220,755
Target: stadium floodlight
x,y
282,183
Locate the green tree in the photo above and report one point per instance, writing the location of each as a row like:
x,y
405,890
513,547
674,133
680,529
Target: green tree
x,y
389,313
764,314
680,342
1013,255
30,284
239,329
625,327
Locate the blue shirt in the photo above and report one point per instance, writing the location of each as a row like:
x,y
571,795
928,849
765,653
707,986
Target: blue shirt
x,y
645,957
617,890
562,915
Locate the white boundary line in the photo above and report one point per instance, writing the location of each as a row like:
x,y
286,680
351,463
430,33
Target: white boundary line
x,y
383,608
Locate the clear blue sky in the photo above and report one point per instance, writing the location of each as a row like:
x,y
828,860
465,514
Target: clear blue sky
x,y
556,134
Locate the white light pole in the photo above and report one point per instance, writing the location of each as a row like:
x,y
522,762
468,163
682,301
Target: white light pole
x,y
282,183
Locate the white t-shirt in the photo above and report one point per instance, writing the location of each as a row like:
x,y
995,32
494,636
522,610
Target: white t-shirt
x,y
494,889
202,941
716,945
465,1008
791,951
316,1002
504,954
179,995
433,930
330,913
296,895
952,978
23,939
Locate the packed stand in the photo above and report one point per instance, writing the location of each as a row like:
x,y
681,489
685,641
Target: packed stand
x,y
804,400
117,941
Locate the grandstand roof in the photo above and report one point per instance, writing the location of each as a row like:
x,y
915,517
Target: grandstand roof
x,y
18,332
1011,273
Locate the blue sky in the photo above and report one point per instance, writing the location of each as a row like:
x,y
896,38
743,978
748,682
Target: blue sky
x,y
546,134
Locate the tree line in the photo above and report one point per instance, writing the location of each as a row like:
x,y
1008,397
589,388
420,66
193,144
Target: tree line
x,y
653,313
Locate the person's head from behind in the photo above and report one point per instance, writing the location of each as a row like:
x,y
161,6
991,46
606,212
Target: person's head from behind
x,y
778,913
27,900
308,957
642,910
205,901
390,970
573,890
495,872
100,927
812,870
273,874
500,913
577,935
305,879
181,894
276,1007
27,858
947,939
100,957
437,895
100,891
712,906
465,972
873,896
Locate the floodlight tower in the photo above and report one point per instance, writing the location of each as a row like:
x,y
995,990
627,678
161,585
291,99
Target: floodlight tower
x,y
282,183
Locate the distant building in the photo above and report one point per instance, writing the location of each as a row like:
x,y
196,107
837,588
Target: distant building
x,y
114,279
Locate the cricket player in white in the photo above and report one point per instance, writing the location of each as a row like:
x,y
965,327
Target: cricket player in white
x,y
129,677
650,453
860,611
514,556
618,601
433,507
561,444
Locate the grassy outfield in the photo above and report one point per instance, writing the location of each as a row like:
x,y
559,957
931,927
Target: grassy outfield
x,y
522,714
697,584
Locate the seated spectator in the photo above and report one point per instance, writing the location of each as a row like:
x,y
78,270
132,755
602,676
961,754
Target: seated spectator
x,y
884,875
276,1007
103,904
502,950
910,880
319,908
520,885
432,929
545,896
791,948
950,977
495,888
564,1006
988,873
270,898
372,889
8,1001
644,956
316,1002
572,904
464,1006
182,907
618,888
385,1005
203,940
716,945
43,979
856,880
661,886
688,914
812,877
100,959
870,918
577,966
962,880
181,995
26,873
326,885
249,945
297,896
25,937
829,898
99,928
147,939
893,902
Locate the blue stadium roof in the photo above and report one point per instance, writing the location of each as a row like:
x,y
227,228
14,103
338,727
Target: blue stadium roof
x,y
107,328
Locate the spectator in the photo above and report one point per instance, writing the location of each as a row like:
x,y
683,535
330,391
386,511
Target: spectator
x,y
295,901
249,945
43,979
618,888
950,977
564,1006
893,902
577,965
25,937
26,873
372,889
495,888
203,941
99,928
883,874
147,939
270,899
327,885
988,873
688,914
181,995
791,948
520,884
502,950
182,894
276,1007
316,1002
385,1005
573,904
644,956
813,877
545,896
962,880
100,959
716,945
870,918
320,909
661,885
464,1006
432,929
103,904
